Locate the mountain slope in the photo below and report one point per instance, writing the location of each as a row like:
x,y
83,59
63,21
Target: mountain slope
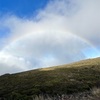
x,y
65,79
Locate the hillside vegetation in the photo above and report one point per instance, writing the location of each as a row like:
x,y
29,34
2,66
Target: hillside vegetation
x,y
67,79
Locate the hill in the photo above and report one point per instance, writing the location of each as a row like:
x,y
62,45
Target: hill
x,y
68,79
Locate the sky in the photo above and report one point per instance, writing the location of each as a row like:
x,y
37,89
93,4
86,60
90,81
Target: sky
x,y
42,33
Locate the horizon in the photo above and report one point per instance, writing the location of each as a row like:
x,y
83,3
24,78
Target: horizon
x,y
42,33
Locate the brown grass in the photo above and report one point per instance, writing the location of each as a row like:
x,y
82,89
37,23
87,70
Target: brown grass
x,y
94,94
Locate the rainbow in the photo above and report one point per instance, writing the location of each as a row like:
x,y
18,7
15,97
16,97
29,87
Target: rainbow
x,y
59,33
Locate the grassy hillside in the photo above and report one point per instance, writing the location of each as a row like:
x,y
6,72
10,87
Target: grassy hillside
x,y
65,79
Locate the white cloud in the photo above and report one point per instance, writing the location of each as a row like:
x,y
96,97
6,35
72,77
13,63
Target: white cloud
x,y
61,33
10,63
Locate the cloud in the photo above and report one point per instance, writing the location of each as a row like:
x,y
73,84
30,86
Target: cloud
x,y
87,21
65,31
10,63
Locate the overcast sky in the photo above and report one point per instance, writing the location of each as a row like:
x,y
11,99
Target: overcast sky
x,y
41,33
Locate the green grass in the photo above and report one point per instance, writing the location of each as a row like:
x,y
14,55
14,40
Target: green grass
x,y
64,79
